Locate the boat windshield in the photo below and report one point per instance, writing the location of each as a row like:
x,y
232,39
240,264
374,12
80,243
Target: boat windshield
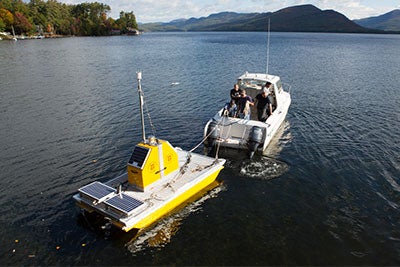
x,y
279,84
251,84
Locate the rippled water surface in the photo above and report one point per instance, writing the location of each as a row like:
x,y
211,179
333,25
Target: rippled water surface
x,y
326,193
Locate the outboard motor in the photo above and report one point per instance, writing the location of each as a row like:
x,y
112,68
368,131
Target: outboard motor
x,y
255,139
212,133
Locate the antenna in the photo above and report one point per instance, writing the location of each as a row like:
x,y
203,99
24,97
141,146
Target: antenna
x,y
139,78
269,22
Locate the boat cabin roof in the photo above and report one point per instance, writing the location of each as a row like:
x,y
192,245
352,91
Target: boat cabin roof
x,y
257,80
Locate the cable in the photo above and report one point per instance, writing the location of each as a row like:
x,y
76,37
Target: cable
x,y
153,129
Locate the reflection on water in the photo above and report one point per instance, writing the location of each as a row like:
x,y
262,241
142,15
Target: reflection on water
x,y
162,232
281,139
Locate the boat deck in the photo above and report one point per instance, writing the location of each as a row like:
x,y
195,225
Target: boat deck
x,y
125,203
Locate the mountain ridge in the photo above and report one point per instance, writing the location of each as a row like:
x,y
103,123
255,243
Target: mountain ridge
x,y
388,22
301,18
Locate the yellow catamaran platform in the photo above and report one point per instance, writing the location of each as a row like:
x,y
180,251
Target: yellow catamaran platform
x,y
159,178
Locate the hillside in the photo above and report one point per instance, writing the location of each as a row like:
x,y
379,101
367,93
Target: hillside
x,y
387,22
303,18
308,18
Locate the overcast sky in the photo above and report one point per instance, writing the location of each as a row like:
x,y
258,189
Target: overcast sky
x,y
167,10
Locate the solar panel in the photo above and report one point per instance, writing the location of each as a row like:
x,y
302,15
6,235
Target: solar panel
x,y
123,203
96,190
138,156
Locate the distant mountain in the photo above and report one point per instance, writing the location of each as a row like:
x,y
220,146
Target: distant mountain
x,y
225,21
303,18
308,18
387,22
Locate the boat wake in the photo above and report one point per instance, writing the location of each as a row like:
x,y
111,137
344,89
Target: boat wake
x,y
264,168
161,234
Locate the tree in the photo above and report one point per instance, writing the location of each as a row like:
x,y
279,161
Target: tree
x,y
6,19
6,16
59,18
127,21
91,18
38,13
22,24
62,19
20,7
7,4
2,25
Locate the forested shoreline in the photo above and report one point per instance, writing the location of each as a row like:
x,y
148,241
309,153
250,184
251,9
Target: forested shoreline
x,y
50,17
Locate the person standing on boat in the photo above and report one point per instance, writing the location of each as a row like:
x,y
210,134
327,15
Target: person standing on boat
x,y
244,104
271,96
264,105
230,109
235,93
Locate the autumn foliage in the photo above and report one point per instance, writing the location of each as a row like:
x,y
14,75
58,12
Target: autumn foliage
x,y
52,17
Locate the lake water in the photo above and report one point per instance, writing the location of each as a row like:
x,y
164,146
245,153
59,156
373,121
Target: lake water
x,y
326,193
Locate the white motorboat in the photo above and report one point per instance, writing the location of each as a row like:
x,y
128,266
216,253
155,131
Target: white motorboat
x,y
251,134
159,179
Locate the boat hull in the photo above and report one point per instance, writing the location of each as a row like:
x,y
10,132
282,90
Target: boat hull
x,y
276,122
174,203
